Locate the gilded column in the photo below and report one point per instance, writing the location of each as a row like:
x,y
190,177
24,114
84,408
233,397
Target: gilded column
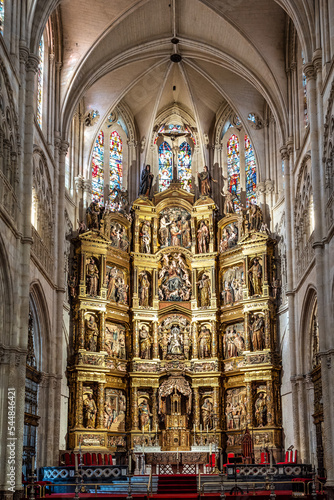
x,y
83,269
81,339
196,409
154,409
136,339
249,394
214,339
155,341
134,400
195,345
102,330
267,329
79,405
100,405
247,333
103,272
216,406
270,404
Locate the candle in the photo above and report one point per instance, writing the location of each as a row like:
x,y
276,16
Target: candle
x,y
142,429
149,427
207,429
76,462
210,449
130,462
271,458
32,464
177,454
194,428
201,427
156,428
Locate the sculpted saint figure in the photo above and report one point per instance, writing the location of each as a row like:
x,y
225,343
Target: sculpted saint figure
x,y
93,214
145,414
255,274
91,334
90,411
261,410
203,237
207,411
145,244
145,181
204,341
204,285
164,231
175,233
205,180
145,343
255,217
144,292
185,232
92,273
258,333
228,203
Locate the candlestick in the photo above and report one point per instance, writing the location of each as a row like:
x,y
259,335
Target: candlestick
x,y
142,429
194,428
201,427
207,429
177,454
33,464
76,462
210,449
271,458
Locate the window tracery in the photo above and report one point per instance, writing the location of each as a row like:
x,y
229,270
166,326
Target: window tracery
x,y
98,169
233,165
184,166
165,165
116,164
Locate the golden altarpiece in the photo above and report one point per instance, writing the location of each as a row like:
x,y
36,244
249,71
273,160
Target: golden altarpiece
x,y
174,328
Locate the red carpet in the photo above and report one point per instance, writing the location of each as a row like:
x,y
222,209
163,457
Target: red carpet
x,y
177,486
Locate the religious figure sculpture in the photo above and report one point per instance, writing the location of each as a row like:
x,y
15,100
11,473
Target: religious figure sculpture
x,y
185,232
115,341
228,203
258,327
144,416
145,342
203,237
229,237
175,233
144,290
228,294
145,235
93,215
255,274
204,341
261,410
91,334
175,341
174,279
205,180
255,217
90,411
145,181
164,231
92,274
204,286
207,414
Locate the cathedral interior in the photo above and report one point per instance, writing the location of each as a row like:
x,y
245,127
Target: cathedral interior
x,y
166,232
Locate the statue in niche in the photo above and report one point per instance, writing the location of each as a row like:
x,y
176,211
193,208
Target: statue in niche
x,y
233,341
236,408
175,234
185,232
207,414
257,327
204,286
255,275
175,341
144,289
174,229
114,409
93,213
117,287
145,235
261,410
115,341
205,180
164,231
91,334
124,240
228,203
203,237
229,237
255,217
92,274
145,415
204,341
90,411
146,180
145,342
186,341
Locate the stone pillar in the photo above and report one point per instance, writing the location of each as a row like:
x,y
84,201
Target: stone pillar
x,y
214,339
100,405
81,332
155,341
134,409
196,409
195,343
135,347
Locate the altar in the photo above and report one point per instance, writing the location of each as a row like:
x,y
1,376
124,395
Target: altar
x,y
171,462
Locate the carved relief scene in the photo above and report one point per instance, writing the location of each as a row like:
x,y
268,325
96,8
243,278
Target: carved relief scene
x,y
118,287
229,237
232,283
236,408
234,340
114,409
115,340
174,227
174,278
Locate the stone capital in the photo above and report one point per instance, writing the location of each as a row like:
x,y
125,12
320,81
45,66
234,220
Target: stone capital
x,y
79,182
87,185
23,54
309,71
32,63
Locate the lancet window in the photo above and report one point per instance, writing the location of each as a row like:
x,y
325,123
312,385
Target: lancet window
x,y
116,166
97,169
184,166
40,82
165,165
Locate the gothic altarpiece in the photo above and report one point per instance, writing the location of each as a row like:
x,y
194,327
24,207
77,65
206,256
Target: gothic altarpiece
x,y
174,332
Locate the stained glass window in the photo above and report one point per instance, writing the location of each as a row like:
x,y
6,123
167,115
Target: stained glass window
x,y
165,165
233,165
251,117
2,16
116,167
184,166
40,82
97,169
250,167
